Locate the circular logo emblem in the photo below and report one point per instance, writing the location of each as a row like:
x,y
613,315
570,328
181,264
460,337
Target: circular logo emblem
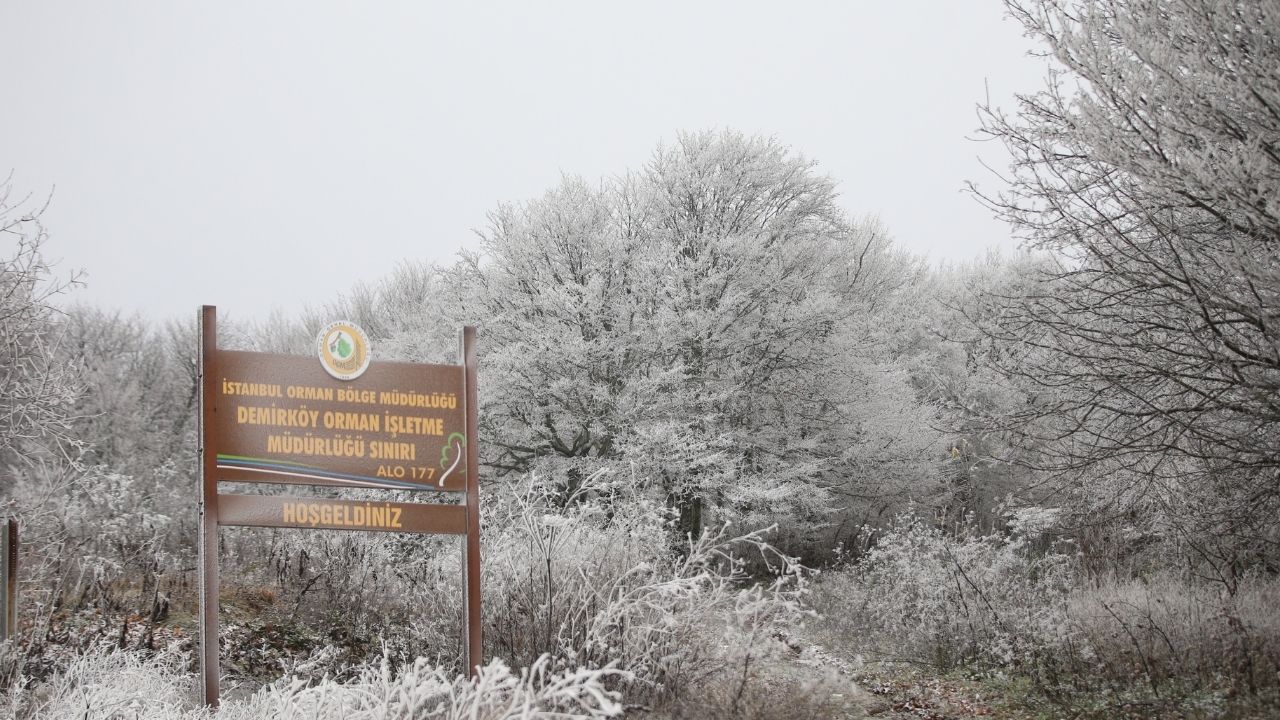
x,y
344,350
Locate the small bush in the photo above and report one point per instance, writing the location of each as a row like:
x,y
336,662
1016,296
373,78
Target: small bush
x,y
592,584
104,683
924,596
1169,631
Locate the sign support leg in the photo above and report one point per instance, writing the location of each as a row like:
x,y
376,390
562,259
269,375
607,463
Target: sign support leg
x,y
473,647
9,576
208,547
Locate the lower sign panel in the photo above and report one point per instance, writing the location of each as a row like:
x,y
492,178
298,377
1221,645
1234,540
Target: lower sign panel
x,y
319,513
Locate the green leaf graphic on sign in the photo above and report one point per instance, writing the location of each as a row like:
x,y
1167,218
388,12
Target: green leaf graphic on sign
x,y
461,441
344,347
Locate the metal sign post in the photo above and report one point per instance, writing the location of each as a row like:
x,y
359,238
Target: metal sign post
x,y
9,577
473,650
208,543
341,422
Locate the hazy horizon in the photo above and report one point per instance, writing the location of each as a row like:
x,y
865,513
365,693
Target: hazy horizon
x,y
267,158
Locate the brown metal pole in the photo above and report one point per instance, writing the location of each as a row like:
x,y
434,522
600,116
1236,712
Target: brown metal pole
x,y
474,648
10,616
4,589
208,508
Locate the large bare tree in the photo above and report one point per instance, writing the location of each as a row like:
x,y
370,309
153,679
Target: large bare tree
x,y
1150,166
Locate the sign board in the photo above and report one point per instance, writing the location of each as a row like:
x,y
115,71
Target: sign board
x,y
283,419
336,419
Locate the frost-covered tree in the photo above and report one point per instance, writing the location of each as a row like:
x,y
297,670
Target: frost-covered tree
x,y
35,390
563,298
710,318
1151,166
954,364
140,389
748,242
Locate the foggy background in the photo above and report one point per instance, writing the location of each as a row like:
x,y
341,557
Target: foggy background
x,y
259,157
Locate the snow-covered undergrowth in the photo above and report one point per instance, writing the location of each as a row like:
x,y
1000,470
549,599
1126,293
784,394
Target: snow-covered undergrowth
x,y
427,691
592,584
949,601
105,683
111,684
1014,603
588,603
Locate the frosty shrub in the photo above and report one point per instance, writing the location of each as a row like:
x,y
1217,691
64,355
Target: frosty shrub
x,y
1171,633
591,583
424,691
102,685
1017,603
92,538
926,596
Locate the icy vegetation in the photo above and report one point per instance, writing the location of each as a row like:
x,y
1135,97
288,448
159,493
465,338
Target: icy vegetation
x,y
104,683
741,457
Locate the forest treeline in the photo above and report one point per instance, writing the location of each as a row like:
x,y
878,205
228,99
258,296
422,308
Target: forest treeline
x,y
702,379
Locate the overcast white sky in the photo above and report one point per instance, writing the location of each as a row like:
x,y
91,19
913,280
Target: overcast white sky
x,y
268,155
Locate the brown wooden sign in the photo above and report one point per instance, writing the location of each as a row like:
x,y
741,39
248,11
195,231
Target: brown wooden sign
x,y
337,419
326,514
283,419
